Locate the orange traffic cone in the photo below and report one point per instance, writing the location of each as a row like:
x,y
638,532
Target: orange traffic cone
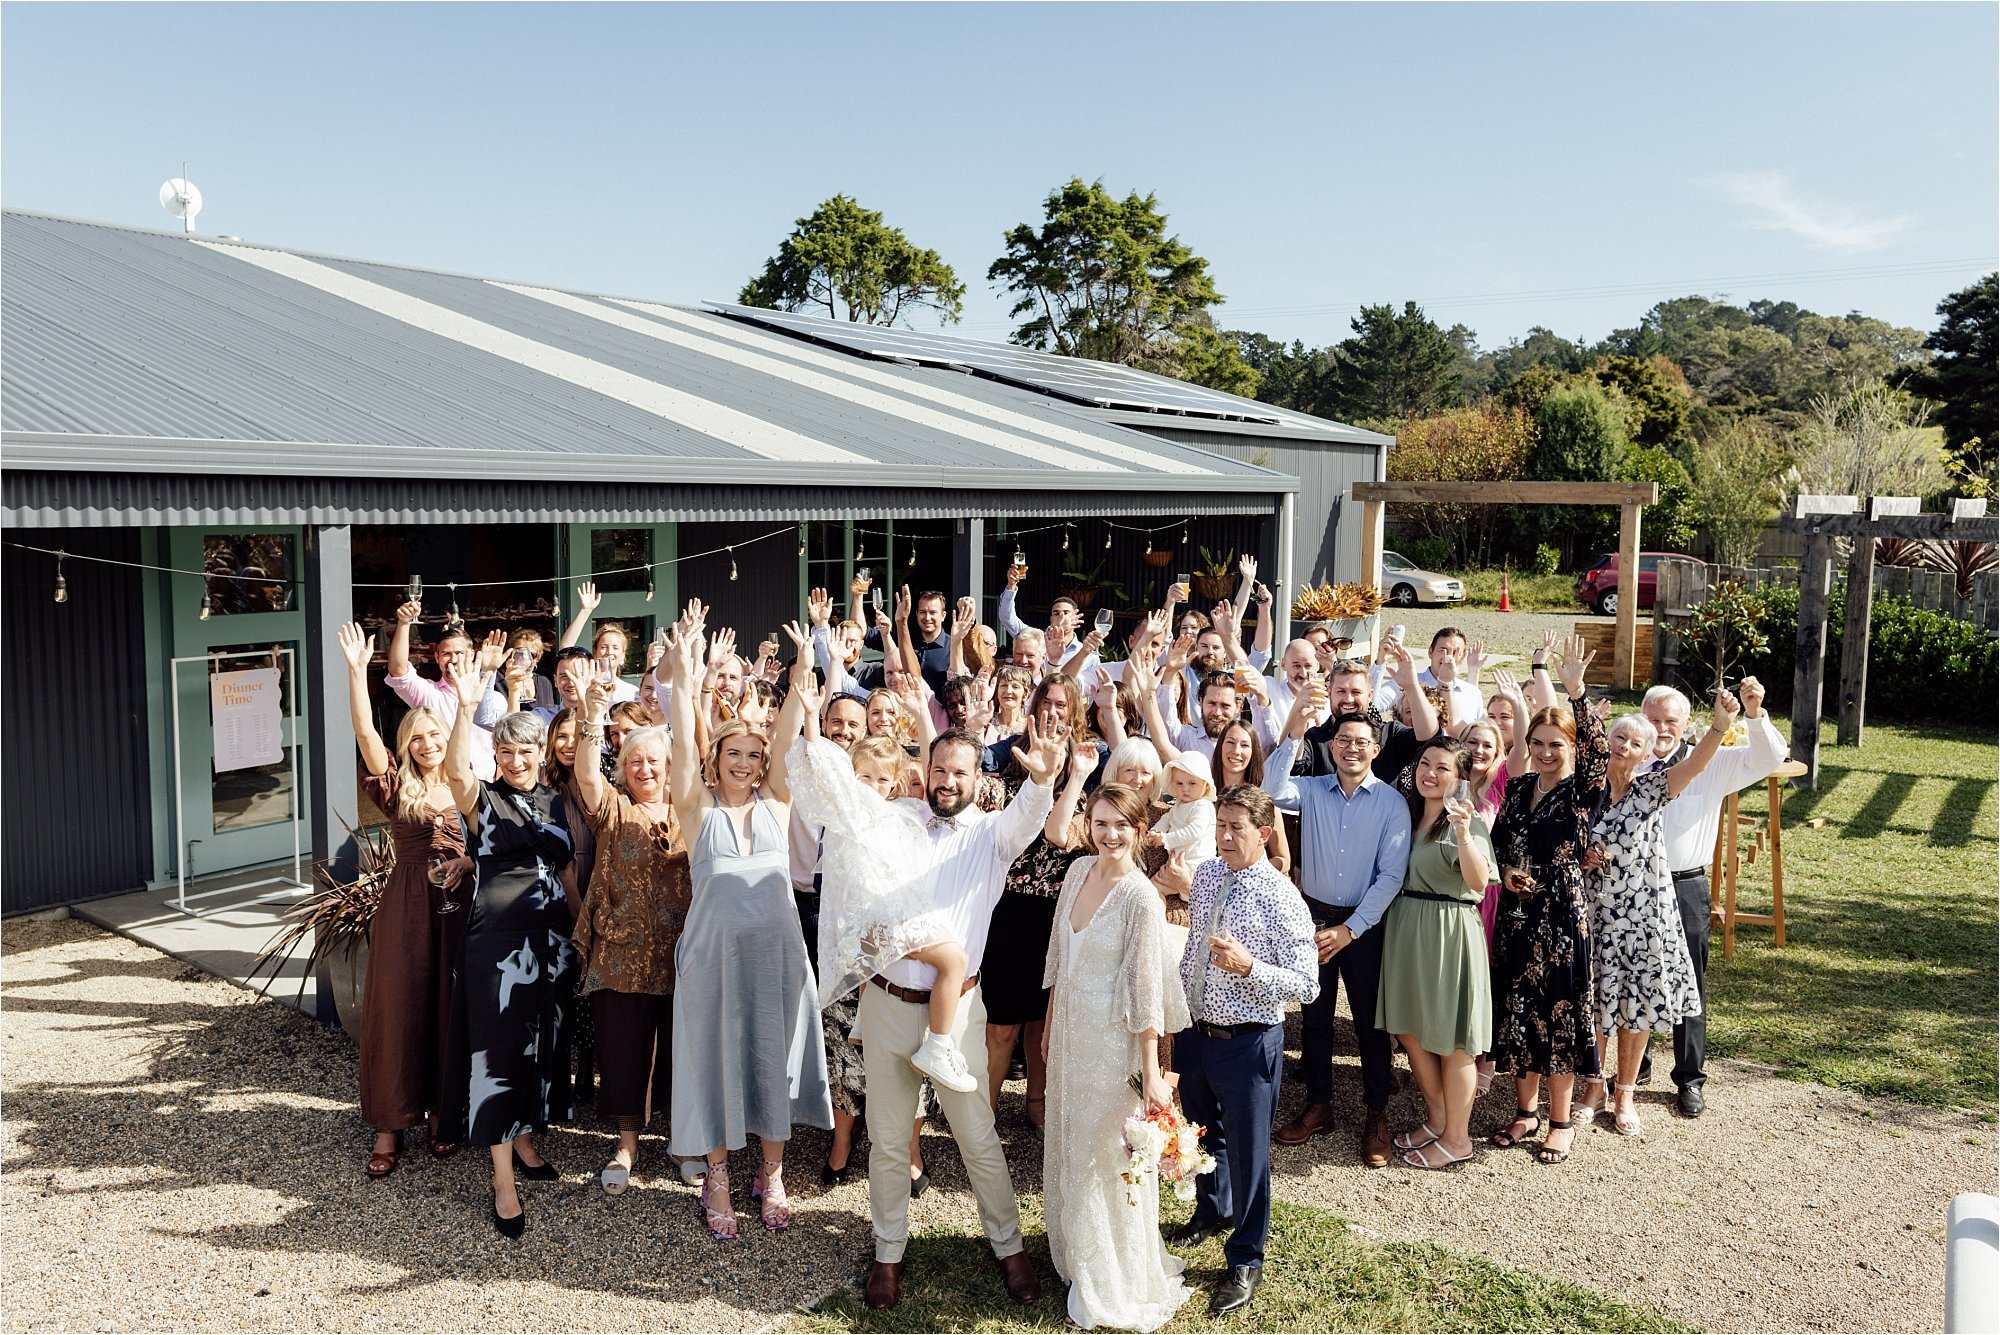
x,y
1505,605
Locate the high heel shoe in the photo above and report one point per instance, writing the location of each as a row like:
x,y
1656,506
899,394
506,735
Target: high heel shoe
x,y
381,1163
721,1223
535,1172
510,1228
829,1176
769,1187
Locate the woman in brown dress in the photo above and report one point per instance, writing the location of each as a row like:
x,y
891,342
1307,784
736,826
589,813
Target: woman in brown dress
x,y
413,938
628,926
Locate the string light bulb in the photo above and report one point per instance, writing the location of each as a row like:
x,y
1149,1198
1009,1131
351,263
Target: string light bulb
x,y
649,584
913,556
1184,533
1107,537
732,563
62,585
454,602
1149,545
206,606
1065,537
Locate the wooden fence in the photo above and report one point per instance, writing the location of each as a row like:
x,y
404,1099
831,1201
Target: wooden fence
x,y
1682,584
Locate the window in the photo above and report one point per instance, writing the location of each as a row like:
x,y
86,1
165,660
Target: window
x,y
617,558
247,572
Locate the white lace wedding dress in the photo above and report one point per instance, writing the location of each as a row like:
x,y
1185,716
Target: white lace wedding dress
x,y
875,904
1113,981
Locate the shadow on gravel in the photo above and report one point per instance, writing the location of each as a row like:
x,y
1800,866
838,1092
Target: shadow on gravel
x,y
255,1095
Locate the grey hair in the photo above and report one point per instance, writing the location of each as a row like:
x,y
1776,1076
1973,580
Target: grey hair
x,y
1140,751
520,728
641,737
1030,633
1636,723
1668,695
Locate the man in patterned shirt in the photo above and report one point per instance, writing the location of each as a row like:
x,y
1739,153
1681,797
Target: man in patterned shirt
x,y
1249,952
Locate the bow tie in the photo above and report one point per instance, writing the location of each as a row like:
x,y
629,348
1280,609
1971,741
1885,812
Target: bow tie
x,y
936,823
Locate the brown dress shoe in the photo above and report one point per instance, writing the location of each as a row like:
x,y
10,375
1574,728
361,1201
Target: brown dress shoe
x,y
1375,1139
1316,1120
885,1284
1022,1286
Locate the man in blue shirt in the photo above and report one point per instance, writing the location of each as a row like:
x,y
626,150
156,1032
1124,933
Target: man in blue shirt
x,y
1356,835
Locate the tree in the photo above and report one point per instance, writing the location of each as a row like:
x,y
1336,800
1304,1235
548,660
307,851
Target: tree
x,y
1395,366
1658,401
1102,279
1541,348
846,259
1869,440
1212,358
1580,437
1670,521
1737,467
1964,381
1486,444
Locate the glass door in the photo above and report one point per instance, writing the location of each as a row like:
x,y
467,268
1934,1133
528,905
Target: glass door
x,y
238,636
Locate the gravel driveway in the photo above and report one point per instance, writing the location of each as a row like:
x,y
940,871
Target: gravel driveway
x,y
176,1154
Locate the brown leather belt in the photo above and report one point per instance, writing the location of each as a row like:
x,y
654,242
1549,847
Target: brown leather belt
x,y
913,995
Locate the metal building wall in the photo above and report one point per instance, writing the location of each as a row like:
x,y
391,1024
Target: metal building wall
x,y
1324,548
75,811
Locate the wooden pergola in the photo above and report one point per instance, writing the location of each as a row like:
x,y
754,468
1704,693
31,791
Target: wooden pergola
x,y
1823,520
1629,497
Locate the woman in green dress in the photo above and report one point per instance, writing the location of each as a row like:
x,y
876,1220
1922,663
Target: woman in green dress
x,y
1437,991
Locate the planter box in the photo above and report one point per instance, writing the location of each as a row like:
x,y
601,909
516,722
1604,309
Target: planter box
x,y
343,972
1362,630
1083,596
1212,588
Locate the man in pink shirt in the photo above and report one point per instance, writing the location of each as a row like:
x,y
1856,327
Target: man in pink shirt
x,y
452,653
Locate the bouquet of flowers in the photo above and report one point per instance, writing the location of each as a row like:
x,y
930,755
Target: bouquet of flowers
x,y
1166,1145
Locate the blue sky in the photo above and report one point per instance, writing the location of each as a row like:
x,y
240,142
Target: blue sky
x,y
1506,165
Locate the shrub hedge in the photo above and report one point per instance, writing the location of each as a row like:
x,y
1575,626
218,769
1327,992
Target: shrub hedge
x,y
1921,664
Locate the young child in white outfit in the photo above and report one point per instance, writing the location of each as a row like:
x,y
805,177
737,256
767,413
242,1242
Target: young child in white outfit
x,y
1189,825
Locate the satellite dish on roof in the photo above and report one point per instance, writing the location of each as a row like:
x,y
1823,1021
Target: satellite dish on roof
x,y
180,198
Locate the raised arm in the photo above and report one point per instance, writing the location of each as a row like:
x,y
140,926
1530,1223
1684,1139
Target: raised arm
x,y
399,643
964,617
458,748
1082,761
1141,680
684,662
1423,714
1246,584
1540,690
590,784
1507,688
587,599
1010,620
357,647
802,699
906,646
1085,657
1681,775
1267,625
1593,752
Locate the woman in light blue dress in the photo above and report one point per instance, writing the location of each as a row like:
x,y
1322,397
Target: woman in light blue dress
x,y
748,1060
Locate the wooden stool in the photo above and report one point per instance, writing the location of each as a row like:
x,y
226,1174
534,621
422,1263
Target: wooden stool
x,y
1727,863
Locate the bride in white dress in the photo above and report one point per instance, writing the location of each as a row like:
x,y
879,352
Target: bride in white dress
x,y
1117,990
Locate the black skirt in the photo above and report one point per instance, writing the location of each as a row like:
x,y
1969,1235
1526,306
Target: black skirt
x,y
1017,949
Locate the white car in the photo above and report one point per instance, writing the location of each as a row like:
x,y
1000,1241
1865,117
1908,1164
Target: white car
x,y
1404,585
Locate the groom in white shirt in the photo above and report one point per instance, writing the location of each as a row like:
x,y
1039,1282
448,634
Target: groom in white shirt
x,y
970,854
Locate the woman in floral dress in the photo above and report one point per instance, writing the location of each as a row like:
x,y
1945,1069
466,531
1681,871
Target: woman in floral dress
x,y
1645,975
1542,981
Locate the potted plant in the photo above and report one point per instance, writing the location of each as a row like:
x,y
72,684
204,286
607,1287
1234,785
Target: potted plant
x,y
336,917
1159,558
1212,574
1719,634
1351,611
1081,584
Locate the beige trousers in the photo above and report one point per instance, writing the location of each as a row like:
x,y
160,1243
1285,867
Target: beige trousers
x,y
891,1031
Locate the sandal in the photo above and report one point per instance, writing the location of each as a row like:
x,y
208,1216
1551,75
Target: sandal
x,y
1484,1084
1417,1139
1583,1113
721,1223
440,1147
1416,1158
1548,1153
381,1163
614,1177
1505,1139
769,1187
1627,1123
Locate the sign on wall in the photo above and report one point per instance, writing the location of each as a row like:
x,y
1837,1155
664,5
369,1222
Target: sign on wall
x,y
248,718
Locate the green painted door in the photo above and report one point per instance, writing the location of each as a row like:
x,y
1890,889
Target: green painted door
x,y
240,815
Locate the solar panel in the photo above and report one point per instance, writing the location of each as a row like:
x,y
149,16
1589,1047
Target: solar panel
x,y
1079,380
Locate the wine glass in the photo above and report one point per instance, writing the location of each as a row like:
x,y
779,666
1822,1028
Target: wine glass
x,y
440,868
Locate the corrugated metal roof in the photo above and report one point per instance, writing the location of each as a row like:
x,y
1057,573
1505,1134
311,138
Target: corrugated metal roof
x,y
35,498
132,352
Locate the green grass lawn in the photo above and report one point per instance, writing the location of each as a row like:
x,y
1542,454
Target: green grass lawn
x,y
1525,593
1888,978
1320,1276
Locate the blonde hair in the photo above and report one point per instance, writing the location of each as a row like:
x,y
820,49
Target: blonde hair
x,y
883,749
712,761
413,794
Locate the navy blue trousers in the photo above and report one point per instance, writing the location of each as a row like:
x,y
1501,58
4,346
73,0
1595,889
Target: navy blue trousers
x,y
1230,1086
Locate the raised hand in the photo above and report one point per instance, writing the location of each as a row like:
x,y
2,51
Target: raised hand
x,y
1178,654
696,612
1576,661
596,700
492,651
1726,709
1260,593
722,646
1475,658
1246,565
1083,758
903,603
357,646
1042,756
408,612
1139,676
1752,692
587,596
963,618
1458,812
819,607
1014,574
802,667
1505,682
655,652
1548,646
470,685
1223,618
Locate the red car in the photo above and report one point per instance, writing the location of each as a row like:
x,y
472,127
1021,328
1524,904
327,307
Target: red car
x,y
1597,587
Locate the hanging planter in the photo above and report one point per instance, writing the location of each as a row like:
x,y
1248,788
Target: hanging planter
x,y
1159,558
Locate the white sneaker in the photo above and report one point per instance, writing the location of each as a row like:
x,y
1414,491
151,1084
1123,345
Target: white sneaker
x,y
939,1058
